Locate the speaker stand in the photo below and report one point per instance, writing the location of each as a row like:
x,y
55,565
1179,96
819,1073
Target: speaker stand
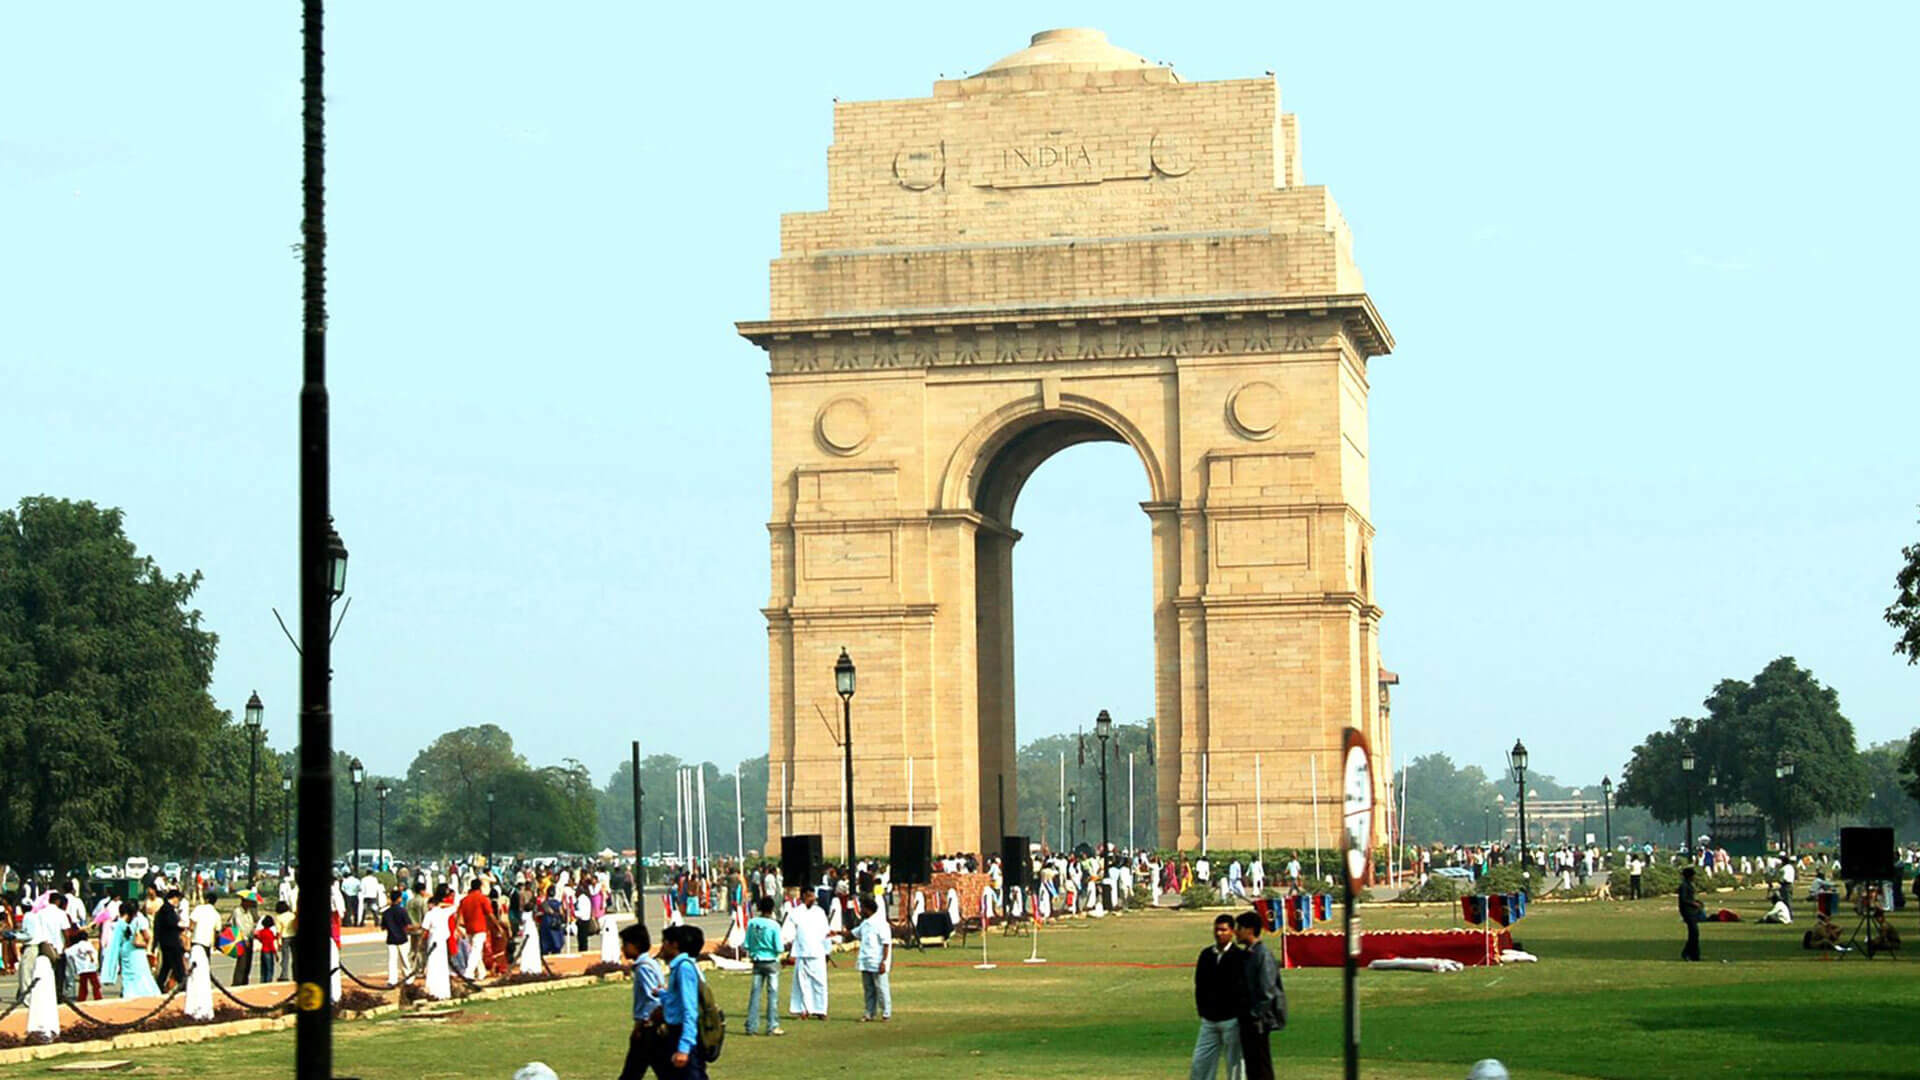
x,y
1036,958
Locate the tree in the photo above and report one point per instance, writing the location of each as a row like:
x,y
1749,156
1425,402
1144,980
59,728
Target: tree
x,y
1446,804
1653,778
1035,804
445,809
1748,729
106,725
1909,769
1904,613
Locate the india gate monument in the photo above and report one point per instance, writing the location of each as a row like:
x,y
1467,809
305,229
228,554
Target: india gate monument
x,y
1072,245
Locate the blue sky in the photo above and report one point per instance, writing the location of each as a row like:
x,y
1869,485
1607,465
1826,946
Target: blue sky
x,y
1649,423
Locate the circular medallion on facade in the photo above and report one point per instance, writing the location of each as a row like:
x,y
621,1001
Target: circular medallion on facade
x,y
1170,156
844,426
1254,410
919,168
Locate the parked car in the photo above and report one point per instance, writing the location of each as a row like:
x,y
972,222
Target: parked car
x,y
137,867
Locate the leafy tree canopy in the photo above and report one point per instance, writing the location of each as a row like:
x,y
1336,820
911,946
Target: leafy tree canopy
x,y
1904,613
104,671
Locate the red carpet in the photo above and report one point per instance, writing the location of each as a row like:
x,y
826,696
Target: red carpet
x,y
1326,948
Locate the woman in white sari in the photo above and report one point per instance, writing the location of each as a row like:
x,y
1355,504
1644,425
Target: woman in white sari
x,y
439,923
530,963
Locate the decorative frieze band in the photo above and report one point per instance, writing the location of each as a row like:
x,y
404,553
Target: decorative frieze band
x,y
1046,342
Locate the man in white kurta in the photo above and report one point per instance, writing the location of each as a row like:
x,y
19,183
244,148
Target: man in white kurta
x,y
808,931
44,926
205,923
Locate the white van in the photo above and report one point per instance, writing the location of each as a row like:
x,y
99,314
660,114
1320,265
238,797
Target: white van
x,y
137,867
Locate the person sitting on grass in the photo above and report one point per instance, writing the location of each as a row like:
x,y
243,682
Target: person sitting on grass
x,y
1779,912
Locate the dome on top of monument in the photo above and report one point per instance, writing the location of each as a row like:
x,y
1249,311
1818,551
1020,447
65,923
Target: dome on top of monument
x,y
1073,49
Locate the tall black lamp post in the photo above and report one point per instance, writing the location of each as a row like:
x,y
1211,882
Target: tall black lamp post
x,y
1517,761
1103,730
323,563
254,714
843,685
1687,762
1606,801
1783,772
489,830
380,842
355,774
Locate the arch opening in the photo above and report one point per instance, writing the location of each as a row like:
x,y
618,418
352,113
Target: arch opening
x,y
1081,509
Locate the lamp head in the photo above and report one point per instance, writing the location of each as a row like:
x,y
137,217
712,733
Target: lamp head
x,y
336,563
286,783
843,674
356,772
1686,761
1517,757
1103,725
255,711
1606,786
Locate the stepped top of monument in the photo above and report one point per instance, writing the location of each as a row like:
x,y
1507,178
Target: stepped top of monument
x,y
1069,49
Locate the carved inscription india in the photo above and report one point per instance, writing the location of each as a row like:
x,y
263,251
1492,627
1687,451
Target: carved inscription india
x,y
1061,158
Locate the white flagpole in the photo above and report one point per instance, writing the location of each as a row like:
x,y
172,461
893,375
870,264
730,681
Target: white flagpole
x,y
1130,846
739,819
1062,838
1203,802
706,850
1313,770
680,814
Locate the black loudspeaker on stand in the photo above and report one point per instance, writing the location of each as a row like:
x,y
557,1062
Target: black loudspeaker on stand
x,y
799,859
911,854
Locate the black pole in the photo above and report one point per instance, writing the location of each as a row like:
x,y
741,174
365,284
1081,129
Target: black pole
x,y
356,830
1000,799
1103,798
489,833
1526,867
313,963
846,723
639,843
380,855
1607,802
253,804
1351,967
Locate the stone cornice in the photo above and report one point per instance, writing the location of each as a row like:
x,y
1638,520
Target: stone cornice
x,y
984,336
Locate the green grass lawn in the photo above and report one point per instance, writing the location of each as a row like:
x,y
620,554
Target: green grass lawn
x,y
1608,999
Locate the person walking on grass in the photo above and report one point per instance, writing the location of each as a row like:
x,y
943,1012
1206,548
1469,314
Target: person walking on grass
x,y
680,1005
1220,995
643,1043
1690,911
1266,998
876,960
763,950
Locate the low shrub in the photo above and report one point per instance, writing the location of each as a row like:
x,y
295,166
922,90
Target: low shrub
x,y
1434,890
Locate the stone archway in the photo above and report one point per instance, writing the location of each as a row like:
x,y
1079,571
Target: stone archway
x,y
1071,246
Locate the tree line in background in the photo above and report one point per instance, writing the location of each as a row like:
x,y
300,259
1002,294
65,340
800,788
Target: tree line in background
x,y
111,745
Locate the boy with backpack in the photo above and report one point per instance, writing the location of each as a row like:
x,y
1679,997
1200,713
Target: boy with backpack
x,y
695,1027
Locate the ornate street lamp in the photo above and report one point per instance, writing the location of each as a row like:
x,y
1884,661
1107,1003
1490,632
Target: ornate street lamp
x,y
1606,800
1686,781
336,563
255,715
1500,808
1103,730
380,856
355,774
1517,761
843,685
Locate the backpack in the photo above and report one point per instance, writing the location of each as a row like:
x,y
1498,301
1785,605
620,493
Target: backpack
x,y
712,1025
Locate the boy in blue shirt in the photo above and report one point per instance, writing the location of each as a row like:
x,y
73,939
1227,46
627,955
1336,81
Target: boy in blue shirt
x,y
876,959
680,1004
763,948
643,1046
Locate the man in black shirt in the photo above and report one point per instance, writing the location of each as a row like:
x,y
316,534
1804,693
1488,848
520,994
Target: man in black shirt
x,y
1220,995
166,934
1266,999
1690,909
